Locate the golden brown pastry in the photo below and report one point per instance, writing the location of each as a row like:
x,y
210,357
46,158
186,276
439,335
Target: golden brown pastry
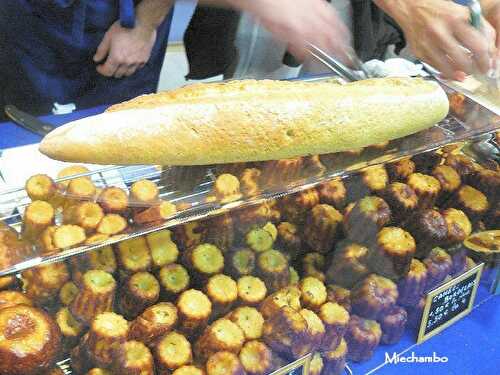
x,y
174,279
295,206
133,358
139,291
362,337
221,335
373,296
68,292
224,363
313,264
334,360
322,227
219,231
189,370
472,202
315,335
112,224
10,298
458,224
278,173
42,283
240,262
273,269
71,329
349,264
194,309
316,365
449,179
205,260
375,178
289,239
173,351
188,235
488,182
429,230
250,321
259,240
223,292
227,188
400,170
464,165
256,358
251,290
313,167
313,292
335,318
38,216
162,247
40,187
333,193
250,182
154,322
114,200
143,193
87,215
339,295
133,256
158,213
401,199
426,187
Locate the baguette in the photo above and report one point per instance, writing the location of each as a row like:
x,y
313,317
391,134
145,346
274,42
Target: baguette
x,y
225,123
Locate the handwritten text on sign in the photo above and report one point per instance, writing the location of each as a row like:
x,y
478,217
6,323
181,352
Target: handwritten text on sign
x,y
449,302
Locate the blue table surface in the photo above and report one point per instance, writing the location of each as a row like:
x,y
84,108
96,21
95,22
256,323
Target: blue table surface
x,y
472,345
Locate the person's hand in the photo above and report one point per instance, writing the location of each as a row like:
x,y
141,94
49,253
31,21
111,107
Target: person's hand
x,y
491,10
123,51
300,22
439,32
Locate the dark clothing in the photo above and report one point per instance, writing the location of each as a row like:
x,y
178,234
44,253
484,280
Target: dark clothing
x,y
47,49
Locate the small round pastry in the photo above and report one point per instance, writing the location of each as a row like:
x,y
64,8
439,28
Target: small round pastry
x,y
334,360
364,220
488,182
273,268
458,224
316,365
189,370
251,290
194,309
219,231
250,321
429,229
29,341
458,256
472,202
295,206
339,295
312,167
227,188
335,318
412,286
132,358
205,260
449,179
249,182
8,282
349,264
222,334
259,240
224,363
188,235
439,265
401,199
10,298
289,239
492,217
276,173
400,170
153,323
223,292
373,296
133,256
333,193
313,264
426,187
289,296
106,332
71,329
240,262
393,325
464,165
42,283
173,351
98,371
313,292
375,178
248,218
427,161
316,332
392,255
80,359
362,337
174,279
415,313
140,291
321,228
256,358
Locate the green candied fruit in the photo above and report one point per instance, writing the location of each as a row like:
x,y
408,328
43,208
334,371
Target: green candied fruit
x,y
259,240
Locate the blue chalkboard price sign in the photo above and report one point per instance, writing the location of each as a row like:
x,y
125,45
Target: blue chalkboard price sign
x,y
449,302
299,367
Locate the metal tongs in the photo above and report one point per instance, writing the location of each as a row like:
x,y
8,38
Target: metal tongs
x,y
350,75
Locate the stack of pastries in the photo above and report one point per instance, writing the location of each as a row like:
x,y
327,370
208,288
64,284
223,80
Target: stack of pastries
x,y
336,270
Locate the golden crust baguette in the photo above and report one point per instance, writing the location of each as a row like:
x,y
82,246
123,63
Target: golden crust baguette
x,y
225,123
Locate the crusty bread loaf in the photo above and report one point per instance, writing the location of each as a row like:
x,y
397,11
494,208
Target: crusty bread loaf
x,y
250,121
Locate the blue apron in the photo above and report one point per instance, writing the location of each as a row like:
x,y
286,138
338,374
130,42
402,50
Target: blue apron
x,y
47,49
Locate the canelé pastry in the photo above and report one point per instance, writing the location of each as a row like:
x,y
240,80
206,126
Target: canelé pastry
x,y
488,182
133,357
458,256
492,217
313,292
295,206
427,161
162,247
317,332
173,351
8,282
189,370
133,256
223,292
401,199
366,217
219,231
188,235
393,253
143,193
194,309
339,295
439,265
373,296
412,286
400,170
259,240
449,179
174,279
87,215
458,225
29,341
362,337
313,264
153,323
415,313
334,360
375,178
42,283
276,173
251,290
112,224
37,217
250,182
285,332
273,268
289,296
426,187
335,319
107,331
223,334
250,321
472,202
205,260
96,295
100,259
289,239
313,167
139,291
227,188
40,187
10,298
393,324
349,264
80,359
71,329
255,216
98,371
322,227
333,193
464,165
316,365
224,363
429,229
256,358
240,262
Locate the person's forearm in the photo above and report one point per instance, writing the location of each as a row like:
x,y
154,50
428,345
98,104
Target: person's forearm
x,y
397,9
151,13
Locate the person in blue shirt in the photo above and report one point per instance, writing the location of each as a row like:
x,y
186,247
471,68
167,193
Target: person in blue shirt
x,y
88,52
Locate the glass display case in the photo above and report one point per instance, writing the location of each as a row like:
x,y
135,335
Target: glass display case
x,y
248,267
